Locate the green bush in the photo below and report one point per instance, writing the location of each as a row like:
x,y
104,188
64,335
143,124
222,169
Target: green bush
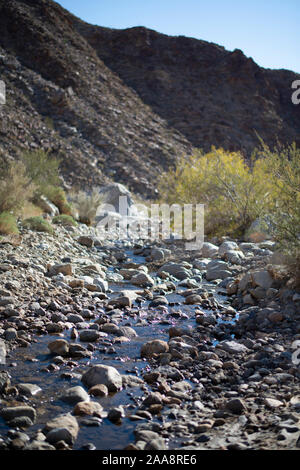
x,y
234,193
8,224
38,224
58,196
41,169
15,188
284,170
65,220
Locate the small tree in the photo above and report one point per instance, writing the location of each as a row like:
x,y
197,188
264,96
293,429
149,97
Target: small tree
x,y
284,170
233,192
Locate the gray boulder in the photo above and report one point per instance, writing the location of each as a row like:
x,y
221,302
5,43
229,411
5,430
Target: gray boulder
x,y
101,374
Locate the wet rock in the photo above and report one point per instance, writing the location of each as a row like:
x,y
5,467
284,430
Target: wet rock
x,y
74,318
193,299
4,380
122,301
142,279
236,406
156,444
63,427
228,246
272,403
209,250
39,445
59,347
177,331
128,332
262,279
85,408
11,334
159,254
12,412
159,300
156,346
154,398
145,435
21,422
30,390
99,390
89,336
74,395
180,271
131,381
217,269
101,374
116,414
232,347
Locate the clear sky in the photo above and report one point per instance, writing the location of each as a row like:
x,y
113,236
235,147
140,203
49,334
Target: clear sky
x,y
266,30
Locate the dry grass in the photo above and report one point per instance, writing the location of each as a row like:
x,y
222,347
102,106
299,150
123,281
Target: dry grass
x,y
86,204
15,188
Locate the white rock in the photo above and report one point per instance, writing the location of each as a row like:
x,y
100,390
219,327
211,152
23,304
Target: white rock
x,y
101,374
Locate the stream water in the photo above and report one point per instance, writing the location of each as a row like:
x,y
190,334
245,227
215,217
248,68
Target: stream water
x,y
25,366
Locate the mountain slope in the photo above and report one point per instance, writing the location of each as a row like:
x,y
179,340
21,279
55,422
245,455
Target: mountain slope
x,y
62,97
123,104
212,96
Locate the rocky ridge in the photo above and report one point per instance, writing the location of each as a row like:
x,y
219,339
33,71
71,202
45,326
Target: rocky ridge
x,y
123,105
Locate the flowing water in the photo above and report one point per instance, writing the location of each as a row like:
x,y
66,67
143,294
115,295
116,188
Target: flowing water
x,y
25,364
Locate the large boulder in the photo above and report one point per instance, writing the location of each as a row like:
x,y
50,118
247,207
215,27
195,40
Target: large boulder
x,y
101,374
209,250
217,269
111,195
75,395
180,271
63,427
142,279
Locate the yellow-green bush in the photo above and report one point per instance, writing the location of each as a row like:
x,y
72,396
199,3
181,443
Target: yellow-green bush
x,y
8,224
41,168
58,196
234,193
284,171
64,220
16,188
38,224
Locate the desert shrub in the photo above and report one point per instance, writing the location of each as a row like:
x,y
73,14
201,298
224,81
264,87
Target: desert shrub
x,y
65,220
284,170
86,204
233,192
30,210
8,224
41,169
15,188
38,224
58,196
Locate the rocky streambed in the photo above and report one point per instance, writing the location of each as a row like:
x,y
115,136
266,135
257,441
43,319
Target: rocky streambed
x,y
124,345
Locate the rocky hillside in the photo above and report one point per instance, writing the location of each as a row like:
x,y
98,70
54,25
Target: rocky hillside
x,y
212,96
123,104
62,97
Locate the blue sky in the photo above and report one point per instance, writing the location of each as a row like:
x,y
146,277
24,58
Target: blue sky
x,y
266,30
